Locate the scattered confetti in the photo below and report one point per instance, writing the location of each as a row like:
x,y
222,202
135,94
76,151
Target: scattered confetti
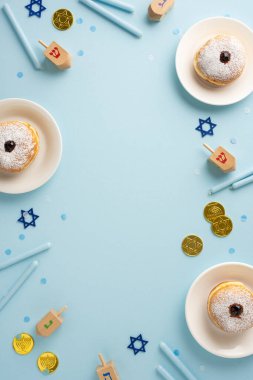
x,y
231,250
176,352
63,216
37,12
24,218
7,251
137,349
20,74
93,28
21,237
80,53
43,281
233,140
176,31
26,319
203,131
244,218
79,21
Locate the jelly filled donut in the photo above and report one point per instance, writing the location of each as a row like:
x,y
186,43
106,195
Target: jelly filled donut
x,y
230,307
19,145
220,60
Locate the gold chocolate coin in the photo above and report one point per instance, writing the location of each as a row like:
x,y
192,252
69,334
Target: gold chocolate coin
x,y
192,245
222,226
23,343
213,210
62,19
47,362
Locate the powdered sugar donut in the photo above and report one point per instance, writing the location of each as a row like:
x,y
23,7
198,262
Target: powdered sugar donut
x,y
19,145
230,307
221,60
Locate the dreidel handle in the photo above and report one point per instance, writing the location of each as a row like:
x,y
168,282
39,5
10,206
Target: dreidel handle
x,y
43,44
64,308
209,148
103,362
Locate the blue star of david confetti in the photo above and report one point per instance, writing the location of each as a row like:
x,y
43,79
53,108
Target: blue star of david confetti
x,y
203,131
138,339
23,216
37,12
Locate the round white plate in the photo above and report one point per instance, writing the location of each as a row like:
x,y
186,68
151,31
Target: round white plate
x,y
202,329
49,156
193,39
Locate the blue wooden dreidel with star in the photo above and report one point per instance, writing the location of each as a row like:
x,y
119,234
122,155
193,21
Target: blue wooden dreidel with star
x,y
50,322
106,371
220,157
57,55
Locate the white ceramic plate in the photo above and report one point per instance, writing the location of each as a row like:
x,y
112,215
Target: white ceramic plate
x,y
193,39
202,329
49,156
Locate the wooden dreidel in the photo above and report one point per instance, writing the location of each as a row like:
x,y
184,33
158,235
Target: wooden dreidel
x,y
50,322
57,55
158,8
222,158
106,371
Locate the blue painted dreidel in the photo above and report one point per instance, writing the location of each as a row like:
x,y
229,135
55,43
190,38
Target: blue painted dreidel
x,y
106,371
50,322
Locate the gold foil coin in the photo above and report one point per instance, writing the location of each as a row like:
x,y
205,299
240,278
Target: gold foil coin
x,y
222,226
213,210
192,245
47,362
62,19
23,343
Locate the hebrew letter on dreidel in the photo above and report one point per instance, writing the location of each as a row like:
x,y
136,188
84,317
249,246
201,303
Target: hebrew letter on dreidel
x,y
107,376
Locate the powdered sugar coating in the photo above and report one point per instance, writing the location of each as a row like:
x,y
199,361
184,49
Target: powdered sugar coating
x,y
24,149
227,296
209,62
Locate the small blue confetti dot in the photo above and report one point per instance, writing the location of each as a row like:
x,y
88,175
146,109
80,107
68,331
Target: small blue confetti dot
x,y
20,74
233,140
231,250
80,53
26,319
63,216
176,31
43,281
79,20
93,28
21,237
176,352
7,251
244,218
227,15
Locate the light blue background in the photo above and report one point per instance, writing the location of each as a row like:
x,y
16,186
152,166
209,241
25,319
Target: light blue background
x,y
132,183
